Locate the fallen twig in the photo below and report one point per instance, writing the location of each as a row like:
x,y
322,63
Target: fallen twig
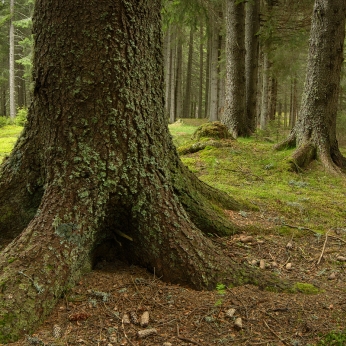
x,y
186,339
277,335
126,337
323,248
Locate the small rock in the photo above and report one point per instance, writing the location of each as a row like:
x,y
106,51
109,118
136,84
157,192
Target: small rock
x,y
262,264
166,344
341,258
230,312
332,276
260,241
246,239
144,319
254,262
274,264
289,266
289,245
238,323
126,319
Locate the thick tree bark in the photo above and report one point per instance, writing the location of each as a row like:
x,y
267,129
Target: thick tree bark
x,y
96,163
235,114
315,131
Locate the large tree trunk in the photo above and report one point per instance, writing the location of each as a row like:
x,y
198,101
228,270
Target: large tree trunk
x,y
315,131
96,163
234,116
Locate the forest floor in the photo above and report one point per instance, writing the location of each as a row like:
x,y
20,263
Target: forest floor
x,y
296,229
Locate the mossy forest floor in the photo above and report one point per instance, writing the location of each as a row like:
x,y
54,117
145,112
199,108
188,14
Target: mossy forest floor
x,y
296,228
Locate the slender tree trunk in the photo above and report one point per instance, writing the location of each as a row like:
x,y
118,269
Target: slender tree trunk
x,y
12,70
213,71
235,115
315,131
179,79
207,74
167,69
252,26
201,70
285,112
187,98
272,98
265,91
172,93
96,162
221,90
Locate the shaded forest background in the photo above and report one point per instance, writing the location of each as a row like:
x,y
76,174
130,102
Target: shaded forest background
x,y
195,63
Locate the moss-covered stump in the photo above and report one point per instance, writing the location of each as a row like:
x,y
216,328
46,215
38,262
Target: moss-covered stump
x,y
213,129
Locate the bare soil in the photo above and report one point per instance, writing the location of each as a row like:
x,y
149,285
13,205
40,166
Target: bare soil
x,y
94,312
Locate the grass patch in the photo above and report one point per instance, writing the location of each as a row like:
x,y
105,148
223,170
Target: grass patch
x,y
251,171
304,288
8,137
333,339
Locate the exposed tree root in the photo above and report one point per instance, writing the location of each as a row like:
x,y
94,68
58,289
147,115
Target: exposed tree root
x,y
52,253
330,157
198,146
288,143
302,157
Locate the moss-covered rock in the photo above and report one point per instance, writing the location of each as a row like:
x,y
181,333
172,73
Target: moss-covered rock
x,y
212,130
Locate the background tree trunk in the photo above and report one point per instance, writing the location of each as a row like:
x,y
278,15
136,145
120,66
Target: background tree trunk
x,y
235,115
252,26
315,131
11,61
187,98
214,70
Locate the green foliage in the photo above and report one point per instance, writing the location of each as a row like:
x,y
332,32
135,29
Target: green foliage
x,y
21,116
221,291
333,339
3,121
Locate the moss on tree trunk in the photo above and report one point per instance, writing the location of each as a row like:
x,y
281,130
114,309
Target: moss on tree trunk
x,y
99,164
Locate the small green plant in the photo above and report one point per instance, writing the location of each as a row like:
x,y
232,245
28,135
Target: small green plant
x,y
333,338
301,287
21,115
221,291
